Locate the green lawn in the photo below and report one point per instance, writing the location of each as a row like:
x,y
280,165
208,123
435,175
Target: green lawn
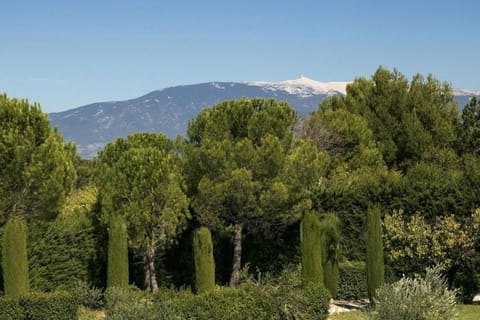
x,y
468,312
465,312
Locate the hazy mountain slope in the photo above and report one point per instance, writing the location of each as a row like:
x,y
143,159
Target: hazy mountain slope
x,y
170,109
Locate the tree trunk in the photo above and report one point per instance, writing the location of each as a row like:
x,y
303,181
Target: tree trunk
x,y
237,255
150,279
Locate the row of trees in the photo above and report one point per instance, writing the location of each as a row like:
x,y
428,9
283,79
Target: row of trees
x,y
390,146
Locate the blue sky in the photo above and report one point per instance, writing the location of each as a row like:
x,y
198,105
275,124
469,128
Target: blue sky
x,y
64,54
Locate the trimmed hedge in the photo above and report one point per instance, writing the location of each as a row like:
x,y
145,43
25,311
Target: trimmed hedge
x,y
10,309
352,284
243,303
57,305
40,306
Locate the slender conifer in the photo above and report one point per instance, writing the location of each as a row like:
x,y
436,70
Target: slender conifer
x,y
375,263
117,267
312,272
14,258
330,226
204,262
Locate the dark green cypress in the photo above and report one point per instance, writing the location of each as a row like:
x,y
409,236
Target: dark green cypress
x,y
117,268
330,226
14,258
204,262
375,263
312,272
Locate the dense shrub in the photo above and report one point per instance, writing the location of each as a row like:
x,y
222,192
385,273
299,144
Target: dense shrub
x,y
61,252
57,305
418,298
249,301
87,295
223,303
10,309
228,303
352,284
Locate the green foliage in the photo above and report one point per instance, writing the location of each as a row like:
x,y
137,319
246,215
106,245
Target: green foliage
x,y
10,309
224,303
374,262
234,167
419,298
264,302
61,253
330,226
14,258
87,295
469,130
352,284
35,165
311,243
141,181
117,272
204,263
406,117
49,306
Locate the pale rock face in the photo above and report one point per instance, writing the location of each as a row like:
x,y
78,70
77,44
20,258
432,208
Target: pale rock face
x,y
303,86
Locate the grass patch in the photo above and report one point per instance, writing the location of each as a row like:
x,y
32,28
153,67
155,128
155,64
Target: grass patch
x,y
352,315
468,311
465,312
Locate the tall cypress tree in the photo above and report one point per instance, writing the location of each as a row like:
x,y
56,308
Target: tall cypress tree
x,y
204,262
375,263
312,272
14,260
117,267
330,226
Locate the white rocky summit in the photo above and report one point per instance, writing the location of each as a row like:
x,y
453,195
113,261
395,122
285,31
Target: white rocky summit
x,y
303,86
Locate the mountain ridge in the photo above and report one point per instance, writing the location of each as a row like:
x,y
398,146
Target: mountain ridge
x,y
168,110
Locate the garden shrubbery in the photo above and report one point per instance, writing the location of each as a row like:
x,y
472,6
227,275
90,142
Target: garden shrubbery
x,y
352,283
282,298
418,298
10,309
40,306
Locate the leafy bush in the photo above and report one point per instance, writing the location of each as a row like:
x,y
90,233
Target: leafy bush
x,y
352,284
57,305
417,298
308,303
10,309
61,252
228,303
289,300
88,296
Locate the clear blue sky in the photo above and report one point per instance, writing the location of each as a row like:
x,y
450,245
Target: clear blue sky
x,y
64,54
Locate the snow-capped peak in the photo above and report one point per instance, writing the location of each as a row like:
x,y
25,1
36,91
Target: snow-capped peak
x,y
303,86
464,92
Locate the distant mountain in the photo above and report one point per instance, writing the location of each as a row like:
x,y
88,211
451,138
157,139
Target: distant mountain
x,y
169,110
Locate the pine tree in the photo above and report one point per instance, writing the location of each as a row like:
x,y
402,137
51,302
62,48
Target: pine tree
x,y
37,172
375,264
117,267
312,272
330,226
14,260
204,263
